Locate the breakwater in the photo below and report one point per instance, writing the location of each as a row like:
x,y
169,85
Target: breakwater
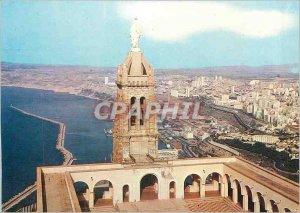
x,y
67,156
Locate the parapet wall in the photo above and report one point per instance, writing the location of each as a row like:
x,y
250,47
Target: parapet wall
x,y
230,169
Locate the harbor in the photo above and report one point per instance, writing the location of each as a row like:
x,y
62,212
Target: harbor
x,y
67,156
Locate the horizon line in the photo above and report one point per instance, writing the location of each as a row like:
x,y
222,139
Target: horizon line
x,y
98,66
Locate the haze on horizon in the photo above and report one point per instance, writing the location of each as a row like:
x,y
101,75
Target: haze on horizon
x,y
175,34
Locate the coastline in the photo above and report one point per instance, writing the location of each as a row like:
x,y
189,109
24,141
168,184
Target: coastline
x,y
68,156
59,135
53,90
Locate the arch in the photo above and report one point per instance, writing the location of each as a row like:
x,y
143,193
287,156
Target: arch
x,y
192,186
149,187
143,110
103,193
262,205
274,206
213,183
132,117
144,70
126,193
82,192
172,189
229,189
287,210
248,191
238,192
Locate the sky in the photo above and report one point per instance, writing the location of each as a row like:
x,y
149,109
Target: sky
x,y
174,34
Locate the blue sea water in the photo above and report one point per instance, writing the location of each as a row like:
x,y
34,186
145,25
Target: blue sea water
x,y
28,142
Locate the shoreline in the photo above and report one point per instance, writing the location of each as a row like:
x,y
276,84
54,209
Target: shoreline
x,y
53,90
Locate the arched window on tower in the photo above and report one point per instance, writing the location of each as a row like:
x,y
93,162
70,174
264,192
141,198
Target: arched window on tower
x,y
144,70
143,109
132,117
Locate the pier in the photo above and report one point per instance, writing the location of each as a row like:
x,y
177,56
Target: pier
x,y
68,158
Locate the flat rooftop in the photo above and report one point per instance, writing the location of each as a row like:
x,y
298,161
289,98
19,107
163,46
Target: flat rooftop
x,y
278,185
55,187
56,191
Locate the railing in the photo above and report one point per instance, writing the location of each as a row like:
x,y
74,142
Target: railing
x,y
19,197
29,208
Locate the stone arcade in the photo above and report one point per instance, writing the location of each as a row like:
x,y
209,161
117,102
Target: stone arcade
x,y
138,181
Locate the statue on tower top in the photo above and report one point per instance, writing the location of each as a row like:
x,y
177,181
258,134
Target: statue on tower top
x,y
135,34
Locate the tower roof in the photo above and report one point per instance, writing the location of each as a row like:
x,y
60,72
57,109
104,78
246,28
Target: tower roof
x,y
135,71
137,65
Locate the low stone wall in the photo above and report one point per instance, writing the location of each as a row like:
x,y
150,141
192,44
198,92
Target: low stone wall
x,y
222,146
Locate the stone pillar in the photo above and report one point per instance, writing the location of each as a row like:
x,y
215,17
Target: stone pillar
x,y
235,195
91,199
86,195
137,120
223,191
280,208
268,205
215,184
245,202
202,190
117,194
179,190
226,189
163,190
134,192
256,207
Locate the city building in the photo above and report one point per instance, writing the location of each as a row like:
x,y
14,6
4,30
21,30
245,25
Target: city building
x,y
106,80
138,180
174,93
232,90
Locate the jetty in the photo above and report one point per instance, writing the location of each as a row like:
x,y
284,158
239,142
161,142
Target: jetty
x,y
34,115
67,155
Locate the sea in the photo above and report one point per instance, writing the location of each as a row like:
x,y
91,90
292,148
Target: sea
x,y
28,142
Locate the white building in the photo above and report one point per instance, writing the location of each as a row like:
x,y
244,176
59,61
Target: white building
x,y
174,93
268,139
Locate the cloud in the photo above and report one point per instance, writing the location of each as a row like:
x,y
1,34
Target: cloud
x,y
174,21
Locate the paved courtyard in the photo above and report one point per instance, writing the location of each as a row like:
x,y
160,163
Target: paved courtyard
x,y
209,204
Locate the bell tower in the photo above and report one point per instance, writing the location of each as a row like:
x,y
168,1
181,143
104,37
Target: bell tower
x,y
135,138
